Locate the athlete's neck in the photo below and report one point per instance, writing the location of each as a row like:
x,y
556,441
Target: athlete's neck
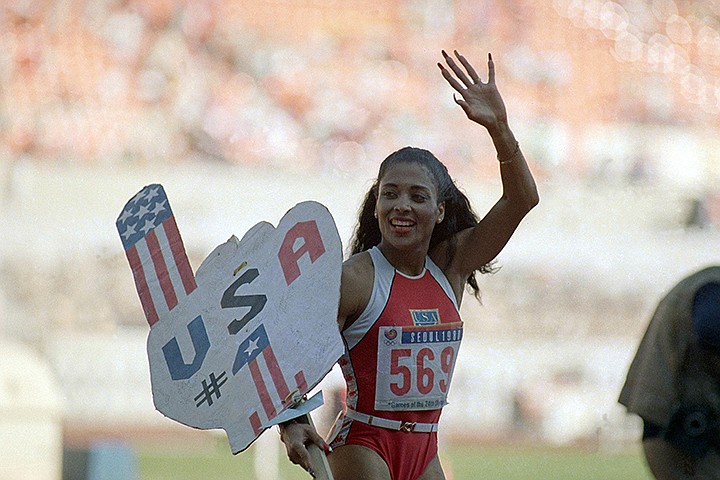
x,y
407,262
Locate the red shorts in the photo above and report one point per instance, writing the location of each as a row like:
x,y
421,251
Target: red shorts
x,y
407,454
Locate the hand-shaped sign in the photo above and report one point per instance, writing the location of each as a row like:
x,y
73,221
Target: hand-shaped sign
x,y
252,332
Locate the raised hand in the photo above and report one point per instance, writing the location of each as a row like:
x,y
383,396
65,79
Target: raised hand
x,y
480,100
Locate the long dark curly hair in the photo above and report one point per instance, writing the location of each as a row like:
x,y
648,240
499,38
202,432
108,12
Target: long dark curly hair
x,y
459,215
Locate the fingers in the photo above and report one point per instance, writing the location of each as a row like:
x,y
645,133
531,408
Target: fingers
x,y
298,454
468,67
296,438
463,104
474,77
457,70
491,69
314,437
293,435
450,79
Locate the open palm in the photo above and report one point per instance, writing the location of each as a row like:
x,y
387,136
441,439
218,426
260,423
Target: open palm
x,y
480,100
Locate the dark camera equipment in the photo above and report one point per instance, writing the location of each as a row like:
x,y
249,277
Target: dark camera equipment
x,y
694,429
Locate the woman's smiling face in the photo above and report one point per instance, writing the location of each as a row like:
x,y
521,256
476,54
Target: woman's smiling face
x,y
407,206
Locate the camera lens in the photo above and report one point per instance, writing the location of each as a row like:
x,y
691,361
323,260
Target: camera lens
x,y
695,424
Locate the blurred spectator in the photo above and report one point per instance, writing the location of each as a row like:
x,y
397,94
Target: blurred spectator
x,y
674,381
697,216
116,81
119,81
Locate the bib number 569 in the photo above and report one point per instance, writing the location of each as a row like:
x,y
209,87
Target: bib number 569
x,y
420,371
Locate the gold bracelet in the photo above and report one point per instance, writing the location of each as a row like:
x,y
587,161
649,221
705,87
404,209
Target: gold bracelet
x,y
511,157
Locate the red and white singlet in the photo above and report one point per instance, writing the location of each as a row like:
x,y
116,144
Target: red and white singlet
x,y
398,363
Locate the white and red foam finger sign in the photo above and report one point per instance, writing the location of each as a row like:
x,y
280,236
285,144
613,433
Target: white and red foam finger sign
x,y
252,330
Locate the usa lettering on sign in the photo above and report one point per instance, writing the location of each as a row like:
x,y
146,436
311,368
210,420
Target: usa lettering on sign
x,y
253,330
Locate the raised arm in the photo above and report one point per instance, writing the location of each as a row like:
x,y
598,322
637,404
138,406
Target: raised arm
x,y
482,103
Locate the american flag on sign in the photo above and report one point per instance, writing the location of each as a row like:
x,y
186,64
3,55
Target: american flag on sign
x,y
257,354
153,247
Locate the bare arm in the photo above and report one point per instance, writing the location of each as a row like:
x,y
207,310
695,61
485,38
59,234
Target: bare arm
x,y
483,104
355,293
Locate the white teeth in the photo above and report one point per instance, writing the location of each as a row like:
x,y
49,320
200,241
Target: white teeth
x,y
401,223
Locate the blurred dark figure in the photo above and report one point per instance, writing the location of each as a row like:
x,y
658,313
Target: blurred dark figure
x,y
674,381
698,216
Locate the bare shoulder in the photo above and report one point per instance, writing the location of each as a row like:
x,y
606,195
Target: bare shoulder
x,y
357,261
355,287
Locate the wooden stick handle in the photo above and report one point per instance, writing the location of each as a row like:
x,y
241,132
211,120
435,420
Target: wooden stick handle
x,y
318,458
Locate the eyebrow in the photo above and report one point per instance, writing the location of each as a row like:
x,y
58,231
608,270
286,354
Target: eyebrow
x,y
412,187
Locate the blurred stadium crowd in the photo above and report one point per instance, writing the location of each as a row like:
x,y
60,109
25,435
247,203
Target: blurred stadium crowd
x,y
329,85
